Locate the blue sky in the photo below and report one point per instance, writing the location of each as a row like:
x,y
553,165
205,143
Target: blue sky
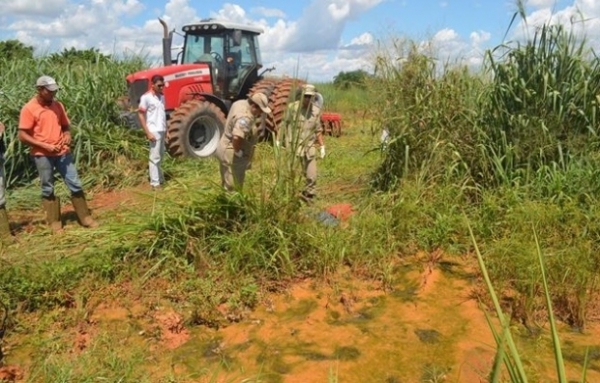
x,y
315,39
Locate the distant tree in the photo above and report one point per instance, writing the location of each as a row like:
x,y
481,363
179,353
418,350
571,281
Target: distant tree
x,y
356,78
74,55
15,50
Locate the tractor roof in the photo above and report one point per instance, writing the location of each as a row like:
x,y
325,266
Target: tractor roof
x,y
215,25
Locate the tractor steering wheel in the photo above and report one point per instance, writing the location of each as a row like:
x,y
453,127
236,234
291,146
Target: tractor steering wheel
x,y
218,58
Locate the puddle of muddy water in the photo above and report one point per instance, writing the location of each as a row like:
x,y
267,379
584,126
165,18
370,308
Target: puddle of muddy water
x,y
368,336
423,331
426,329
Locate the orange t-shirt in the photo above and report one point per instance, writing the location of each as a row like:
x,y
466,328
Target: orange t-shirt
x,y
44,123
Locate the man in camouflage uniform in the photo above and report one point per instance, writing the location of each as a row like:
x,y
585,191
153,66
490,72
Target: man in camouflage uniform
x,y
303,132
241,133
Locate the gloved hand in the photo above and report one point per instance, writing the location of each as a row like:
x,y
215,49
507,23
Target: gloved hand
x,y
322,151
239,153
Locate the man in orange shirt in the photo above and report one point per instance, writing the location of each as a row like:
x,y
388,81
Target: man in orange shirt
x,y
44,126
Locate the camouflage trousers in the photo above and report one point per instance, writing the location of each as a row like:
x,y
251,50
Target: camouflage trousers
x,y
309,168
233,168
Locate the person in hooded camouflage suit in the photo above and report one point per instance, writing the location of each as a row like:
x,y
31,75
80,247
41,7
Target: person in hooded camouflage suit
x,y
303,132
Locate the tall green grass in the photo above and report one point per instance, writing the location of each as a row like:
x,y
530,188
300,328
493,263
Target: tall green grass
x,y
507,353
430,116
89,92
516,142
534,106
541,107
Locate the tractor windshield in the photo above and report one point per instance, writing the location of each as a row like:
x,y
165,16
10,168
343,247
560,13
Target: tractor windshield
x,y
199,45
233,55
203,48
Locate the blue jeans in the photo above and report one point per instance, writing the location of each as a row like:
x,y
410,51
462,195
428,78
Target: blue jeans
x,y
65,166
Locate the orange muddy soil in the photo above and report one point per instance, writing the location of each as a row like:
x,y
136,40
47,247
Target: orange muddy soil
x,y
427,329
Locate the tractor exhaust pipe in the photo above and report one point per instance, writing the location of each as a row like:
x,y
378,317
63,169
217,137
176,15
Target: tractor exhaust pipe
x,y
166,42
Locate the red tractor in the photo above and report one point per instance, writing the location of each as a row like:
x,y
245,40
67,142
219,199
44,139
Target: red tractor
x,y
219,64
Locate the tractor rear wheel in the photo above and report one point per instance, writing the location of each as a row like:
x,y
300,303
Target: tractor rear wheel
x,y
285,92
280,93
265,86
194,129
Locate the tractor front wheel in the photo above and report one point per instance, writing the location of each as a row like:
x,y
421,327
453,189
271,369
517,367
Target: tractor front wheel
x,y
194,129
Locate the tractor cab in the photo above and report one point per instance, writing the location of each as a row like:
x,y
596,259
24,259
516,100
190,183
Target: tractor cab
x,y
231,51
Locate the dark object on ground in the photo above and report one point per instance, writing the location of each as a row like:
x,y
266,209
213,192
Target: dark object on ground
x,y
327,219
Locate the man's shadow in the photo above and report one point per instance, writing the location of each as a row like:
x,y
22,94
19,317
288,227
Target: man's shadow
x,y
27,224
22,225
69,217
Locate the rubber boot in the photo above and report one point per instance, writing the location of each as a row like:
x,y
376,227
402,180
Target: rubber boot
x,y
52,207
6,237
82,211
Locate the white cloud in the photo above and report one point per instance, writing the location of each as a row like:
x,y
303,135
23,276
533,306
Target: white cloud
x,y
445,35
313,44
231,12
446,46
276,36
479,37
179,12
582,17
364,39
541,3
128,7
338,12
78,22
322,23
98,24
310,46
269,12
47,8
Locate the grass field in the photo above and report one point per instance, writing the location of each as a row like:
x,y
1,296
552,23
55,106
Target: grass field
x,y
510,153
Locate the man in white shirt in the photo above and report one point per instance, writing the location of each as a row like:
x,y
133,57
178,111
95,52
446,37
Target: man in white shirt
x,y
154,122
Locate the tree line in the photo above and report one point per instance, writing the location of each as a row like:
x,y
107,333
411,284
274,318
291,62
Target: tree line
x,y
17,50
